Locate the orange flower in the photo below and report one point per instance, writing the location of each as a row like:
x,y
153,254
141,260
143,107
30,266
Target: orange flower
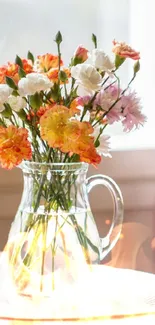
x,y
11,70
30,115
53,74
41,111
14,146
48,61
125,51
3,70
70,136
27,66
78,140
74,104
74,107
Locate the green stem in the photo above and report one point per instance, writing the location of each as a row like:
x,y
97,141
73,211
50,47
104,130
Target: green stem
x,y
66,95
15,120
101,118
59,57
2,122
101,131
43,94
41,184
84,113
53,252
110,85
81,237
72,84
128,85
44,235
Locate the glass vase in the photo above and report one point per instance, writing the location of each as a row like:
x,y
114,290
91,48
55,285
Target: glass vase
x,y
54,233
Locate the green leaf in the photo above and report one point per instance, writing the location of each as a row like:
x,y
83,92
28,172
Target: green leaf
x,y
55,92
7,111
95,248
19,61
30,56
22,115
35,101
94,40
49,95
11,83
2,123
74,92
15,93
21,73
58,38
119,61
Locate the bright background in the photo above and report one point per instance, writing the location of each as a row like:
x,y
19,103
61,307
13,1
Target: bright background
x,y
32,25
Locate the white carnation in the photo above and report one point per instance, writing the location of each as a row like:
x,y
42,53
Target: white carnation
x,y
5,92
34,82
16,103
87,77
101,61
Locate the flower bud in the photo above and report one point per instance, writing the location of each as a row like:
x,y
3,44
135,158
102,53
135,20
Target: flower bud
x,y
94,40
58,38
63,76
81,54
136,67
35,100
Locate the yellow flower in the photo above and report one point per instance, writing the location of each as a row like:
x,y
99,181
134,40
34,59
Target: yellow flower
x,y
14,146
69,135
53,123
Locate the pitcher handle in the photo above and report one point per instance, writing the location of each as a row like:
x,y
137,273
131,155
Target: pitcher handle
x,y
109,241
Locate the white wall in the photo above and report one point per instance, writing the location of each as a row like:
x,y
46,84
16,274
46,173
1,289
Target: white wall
x,y
142,27
33,24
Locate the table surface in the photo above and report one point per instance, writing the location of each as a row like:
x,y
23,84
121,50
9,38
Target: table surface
x,y
102,293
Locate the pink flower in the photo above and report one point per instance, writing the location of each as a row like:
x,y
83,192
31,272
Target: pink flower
x,y
132,115
84,100
105,99
81,54
125,51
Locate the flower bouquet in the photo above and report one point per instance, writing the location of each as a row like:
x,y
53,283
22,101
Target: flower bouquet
x,y
52,124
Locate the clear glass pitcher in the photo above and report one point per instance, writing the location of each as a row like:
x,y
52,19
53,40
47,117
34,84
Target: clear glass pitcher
x,y
54,232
